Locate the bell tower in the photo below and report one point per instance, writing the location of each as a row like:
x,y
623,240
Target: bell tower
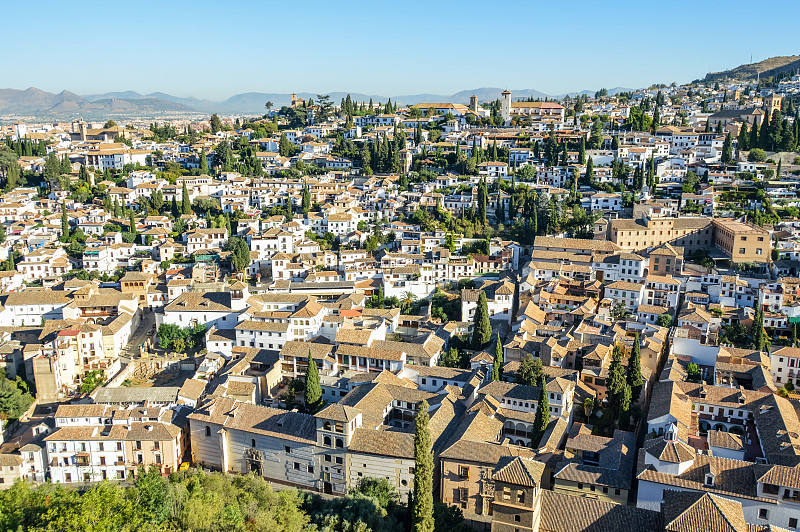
x,y
505,105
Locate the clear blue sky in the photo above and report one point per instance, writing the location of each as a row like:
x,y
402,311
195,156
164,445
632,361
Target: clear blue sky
x,y
217,49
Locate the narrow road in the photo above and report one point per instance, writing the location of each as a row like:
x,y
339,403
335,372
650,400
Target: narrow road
x,y
140,335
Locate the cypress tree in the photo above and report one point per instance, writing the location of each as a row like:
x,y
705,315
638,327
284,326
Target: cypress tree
x,y
64,222
744,138
12,175
582,152
763,135
132,224
727,149
423,472
176,212
481,329
635,369
203,162
313,392
760,340
616,379
753,143
186,205
542,415
625,406
589,175
497,366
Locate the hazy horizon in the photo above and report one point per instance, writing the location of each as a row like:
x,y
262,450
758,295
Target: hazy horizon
x,y
199,50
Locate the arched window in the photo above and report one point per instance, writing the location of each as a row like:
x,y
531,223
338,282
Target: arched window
x,y
339,443
326,441
326,425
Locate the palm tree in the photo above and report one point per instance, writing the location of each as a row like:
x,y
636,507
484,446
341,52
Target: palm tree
x,y
408,298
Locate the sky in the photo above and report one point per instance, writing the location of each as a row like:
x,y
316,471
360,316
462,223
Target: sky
x,y
214,50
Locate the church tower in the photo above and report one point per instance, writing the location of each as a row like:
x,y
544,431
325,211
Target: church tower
x,y
505,105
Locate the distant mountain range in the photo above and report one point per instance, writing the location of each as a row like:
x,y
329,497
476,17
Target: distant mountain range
x,y
37,103
767,67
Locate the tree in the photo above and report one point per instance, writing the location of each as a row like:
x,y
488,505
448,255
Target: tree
x,y
753,142
216,124
482,198
530,370
154,496
306,199
589,173
240,253
64,222
542,416
744,138
616,380
203,162
634,373
582,152
693,372
186,203
664,320
481,328
625,406
497,365
451,359
313,391
14,396
619,311
760,339
727,149
422,517
12,175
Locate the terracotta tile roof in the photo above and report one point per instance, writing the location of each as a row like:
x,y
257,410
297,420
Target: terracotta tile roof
x,y
686,511
520,472
567,513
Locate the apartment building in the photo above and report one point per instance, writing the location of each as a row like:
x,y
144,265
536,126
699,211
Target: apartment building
x,y
742,241
94,442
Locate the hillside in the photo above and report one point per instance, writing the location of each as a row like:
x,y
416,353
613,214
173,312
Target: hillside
x,y
767,67
66,105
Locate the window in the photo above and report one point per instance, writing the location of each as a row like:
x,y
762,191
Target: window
x,y
770,489
253,443
616,491
520,496
463,472
287,449
763,513
339,460
517,518
792,522
506,494
208,431
327,458
297,466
